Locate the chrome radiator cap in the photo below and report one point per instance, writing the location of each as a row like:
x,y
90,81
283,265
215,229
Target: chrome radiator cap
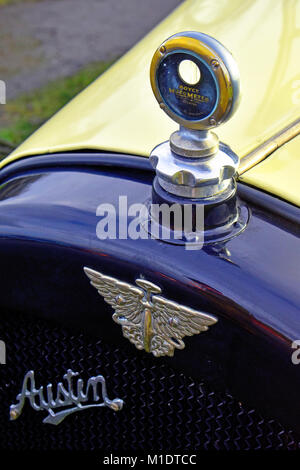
x,y
196,82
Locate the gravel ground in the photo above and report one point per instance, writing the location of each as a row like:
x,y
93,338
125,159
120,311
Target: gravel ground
x,y
54,38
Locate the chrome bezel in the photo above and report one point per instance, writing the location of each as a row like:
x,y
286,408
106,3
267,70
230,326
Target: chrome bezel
x,y
220,62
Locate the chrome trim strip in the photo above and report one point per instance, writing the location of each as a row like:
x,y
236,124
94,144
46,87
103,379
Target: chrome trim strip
x,y
269,146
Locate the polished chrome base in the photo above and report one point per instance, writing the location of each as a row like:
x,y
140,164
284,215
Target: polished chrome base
x,y
205,174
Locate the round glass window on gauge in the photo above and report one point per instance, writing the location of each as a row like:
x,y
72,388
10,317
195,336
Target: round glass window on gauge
x,y
188,90
189,72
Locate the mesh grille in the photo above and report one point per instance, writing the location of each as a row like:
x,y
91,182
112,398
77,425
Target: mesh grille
x,y
164,409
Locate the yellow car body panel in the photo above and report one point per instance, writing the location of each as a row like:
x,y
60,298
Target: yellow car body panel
x,y
119,113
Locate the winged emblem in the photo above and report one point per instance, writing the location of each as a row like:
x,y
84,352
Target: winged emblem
x,y
148,320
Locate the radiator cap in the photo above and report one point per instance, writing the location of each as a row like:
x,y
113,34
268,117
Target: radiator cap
x,y
196,82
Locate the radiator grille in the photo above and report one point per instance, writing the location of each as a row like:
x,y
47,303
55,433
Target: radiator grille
x,y
164,410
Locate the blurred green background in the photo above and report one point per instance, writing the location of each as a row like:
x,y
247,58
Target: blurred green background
x,y
26,113
7,2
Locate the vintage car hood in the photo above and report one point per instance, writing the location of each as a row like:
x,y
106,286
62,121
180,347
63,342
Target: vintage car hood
x,y
119,113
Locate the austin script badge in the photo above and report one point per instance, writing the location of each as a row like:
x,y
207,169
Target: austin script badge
x,y
148,320
66,397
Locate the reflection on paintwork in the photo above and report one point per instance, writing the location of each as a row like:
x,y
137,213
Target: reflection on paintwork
x,y
18,186
65,214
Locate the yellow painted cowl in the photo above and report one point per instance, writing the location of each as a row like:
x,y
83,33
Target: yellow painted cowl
x,y
119,113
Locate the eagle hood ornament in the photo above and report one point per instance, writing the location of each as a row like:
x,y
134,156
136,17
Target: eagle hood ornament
x,y
148,320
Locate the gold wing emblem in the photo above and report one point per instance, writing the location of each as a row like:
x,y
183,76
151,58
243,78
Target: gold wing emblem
x,y
149,321
125,299
172,322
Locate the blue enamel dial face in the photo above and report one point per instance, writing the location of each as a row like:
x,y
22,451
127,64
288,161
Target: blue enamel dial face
x,y
190,102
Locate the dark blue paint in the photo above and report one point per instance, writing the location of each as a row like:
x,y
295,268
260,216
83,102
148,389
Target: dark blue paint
x,y
48,233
